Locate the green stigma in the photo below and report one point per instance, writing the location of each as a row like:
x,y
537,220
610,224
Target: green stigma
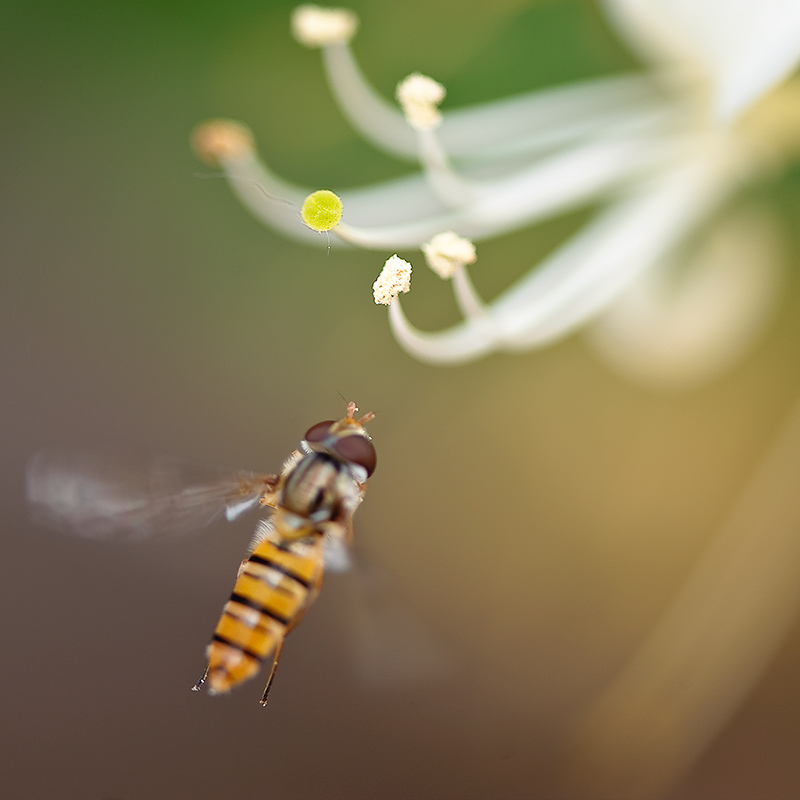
x,y
322,210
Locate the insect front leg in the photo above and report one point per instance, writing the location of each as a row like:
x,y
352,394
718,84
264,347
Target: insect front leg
x,y
199,685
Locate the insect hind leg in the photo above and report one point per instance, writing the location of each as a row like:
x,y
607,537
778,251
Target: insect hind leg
x,y
312,594
276,653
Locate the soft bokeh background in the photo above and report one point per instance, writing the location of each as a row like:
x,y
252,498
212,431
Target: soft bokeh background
x,y
531,516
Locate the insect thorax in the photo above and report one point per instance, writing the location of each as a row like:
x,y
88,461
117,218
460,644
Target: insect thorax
x,y
315,488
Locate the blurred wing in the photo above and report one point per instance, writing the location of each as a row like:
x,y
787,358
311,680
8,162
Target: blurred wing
x,y
337,554
96,498
392,646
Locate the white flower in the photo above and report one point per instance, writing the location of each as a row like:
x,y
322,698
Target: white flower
x,y
739,48
660,152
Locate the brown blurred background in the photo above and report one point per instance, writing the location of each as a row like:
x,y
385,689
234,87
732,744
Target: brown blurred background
x,y
531,517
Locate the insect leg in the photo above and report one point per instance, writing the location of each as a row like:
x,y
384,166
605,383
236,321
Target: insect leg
x,y
312,594
199,685
272,669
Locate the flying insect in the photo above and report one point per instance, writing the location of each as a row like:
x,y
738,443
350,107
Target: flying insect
x,y
313,500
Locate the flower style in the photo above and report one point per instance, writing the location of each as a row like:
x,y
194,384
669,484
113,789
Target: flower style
x,y
661,153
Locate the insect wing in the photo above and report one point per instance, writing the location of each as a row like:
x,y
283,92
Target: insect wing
x,y
391,646
337,555
94,497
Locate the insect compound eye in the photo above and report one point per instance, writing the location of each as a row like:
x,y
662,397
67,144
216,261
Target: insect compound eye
x,y
317,433
358,450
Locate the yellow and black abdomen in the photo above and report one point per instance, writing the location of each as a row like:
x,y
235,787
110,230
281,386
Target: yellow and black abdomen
x,y
274,587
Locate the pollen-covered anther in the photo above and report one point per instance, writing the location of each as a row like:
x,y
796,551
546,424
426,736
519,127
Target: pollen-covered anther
x,y
395,277
315,26
220,140
419,96
322,210
448,251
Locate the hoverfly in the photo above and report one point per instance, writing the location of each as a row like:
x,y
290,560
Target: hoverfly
x,y
313,501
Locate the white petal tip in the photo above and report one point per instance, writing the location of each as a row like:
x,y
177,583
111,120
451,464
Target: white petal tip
x,y
419,97
395,277
315,26
448,251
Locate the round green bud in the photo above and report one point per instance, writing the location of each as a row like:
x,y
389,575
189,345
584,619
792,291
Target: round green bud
x,y
322,210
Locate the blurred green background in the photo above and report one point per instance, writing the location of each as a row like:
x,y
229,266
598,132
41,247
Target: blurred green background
x,y
531,515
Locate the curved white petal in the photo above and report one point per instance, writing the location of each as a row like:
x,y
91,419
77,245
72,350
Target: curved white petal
x,y
741,47
672,332
586,274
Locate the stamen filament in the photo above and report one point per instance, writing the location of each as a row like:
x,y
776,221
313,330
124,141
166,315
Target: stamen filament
x,y
457,345
588,273
469,302
446,184
375,118
511,126
555,185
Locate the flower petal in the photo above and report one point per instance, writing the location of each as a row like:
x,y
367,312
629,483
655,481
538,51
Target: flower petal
x,y
587,273
674,333
741,47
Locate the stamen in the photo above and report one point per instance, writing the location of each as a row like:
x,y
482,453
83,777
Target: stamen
x,y
516,125
585,275
536,122
447,255
560,183
221,140
315,26
468,299
462,343
419,97
322,210
395,277
446,252
465,342
414,215
403,235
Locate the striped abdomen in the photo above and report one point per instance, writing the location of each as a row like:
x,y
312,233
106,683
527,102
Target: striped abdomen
x,y
273,588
